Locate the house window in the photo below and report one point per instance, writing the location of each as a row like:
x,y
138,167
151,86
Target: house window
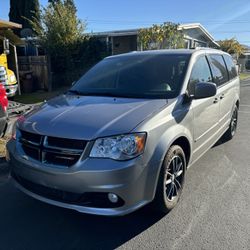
x,y
200,44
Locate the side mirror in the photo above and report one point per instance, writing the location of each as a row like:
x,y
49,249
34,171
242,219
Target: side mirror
x,y
205,90
6,46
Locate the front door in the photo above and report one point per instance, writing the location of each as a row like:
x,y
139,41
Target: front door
x,y
205,111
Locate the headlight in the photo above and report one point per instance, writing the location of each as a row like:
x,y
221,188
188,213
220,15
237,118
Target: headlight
x,y
15,133
122,147
12,78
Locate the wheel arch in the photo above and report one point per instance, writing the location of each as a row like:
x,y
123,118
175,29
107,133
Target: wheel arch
x,y
238,103
184,141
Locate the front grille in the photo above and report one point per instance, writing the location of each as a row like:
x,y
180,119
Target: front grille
x,y
31,152
66,143
51,150
30,137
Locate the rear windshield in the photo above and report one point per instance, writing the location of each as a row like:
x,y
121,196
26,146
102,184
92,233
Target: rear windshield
x,y
139,76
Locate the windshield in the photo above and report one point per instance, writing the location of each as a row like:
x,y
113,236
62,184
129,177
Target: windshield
x,y
139,76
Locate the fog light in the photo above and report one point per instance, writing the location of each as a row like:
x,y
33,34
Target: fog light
x,y
113,198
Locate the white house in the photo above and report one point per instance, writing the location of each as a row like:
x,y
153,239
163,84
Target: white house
x,y
123,41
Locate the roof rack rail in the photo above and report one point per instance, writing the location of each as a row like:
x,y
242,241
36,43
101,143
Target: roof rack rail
x,y
205,48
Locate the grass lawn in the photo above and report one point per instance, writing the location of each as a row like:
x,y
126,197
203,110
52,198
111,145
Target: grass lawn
x,y
38,96
244,76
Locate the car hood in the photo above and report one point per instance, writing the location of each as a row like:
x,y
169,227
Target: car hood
x,y
89,117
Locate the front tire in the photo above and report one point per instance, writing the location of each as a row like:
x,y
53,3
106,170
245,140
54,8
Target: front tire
x,y
229,134
171,180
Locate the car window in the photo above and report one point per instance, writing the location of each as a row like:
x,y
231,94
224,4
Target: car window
x,y
230,66
142,76
218,68
200,73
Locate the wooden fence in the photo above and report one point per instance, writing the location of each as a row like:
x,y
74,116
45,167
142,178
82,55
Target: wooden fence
x,y
39,67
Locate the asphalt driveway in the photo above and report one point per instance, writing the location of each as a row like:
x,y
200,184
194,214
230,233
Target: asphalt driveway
x,y
214,212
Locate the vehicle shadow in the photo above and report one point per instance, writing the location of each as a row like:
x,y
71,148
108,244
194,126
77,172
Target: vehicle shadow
x,y
4,170
30,224
221,141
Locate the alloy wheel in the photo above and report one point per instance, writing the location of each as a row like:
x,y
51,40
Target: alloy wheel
x,y
234,121
174,177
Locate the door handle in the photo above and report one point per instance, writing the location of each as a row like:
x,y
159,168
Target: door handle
x,y
222,96
216,100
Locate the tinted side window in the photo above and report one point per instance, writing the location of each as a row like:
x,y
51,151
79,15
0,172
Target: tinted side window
x,y
200,73
230,66
219,70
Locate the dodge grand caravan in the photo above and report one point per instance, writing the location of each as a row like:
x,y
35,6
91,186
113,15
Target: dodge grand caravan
x,y
124,135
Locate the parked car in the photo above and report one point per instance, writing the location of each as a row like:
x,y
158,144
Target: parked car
x,y
124,135
3,110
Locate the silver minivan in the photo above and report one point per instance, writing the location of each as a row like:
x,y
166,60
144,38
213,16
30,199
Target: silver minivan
x,y
124,135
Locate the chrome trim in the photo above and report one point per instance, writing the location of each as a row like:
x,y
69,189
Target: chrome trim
x,y
43,148
27,142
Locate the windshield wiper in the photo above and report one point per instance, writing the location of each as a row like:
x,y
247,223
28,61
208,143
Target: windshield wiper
x,y
109,94
74,91
114,94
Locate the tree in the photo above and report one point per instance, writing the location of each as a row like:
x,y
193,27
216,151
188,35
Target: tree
x,y
58,30
61,34
232,46
53,1
22,11
164,36
70,3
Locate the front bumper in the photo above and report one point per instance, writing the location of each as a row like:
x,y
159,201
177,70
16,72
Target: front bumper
x,y
11,89
127,179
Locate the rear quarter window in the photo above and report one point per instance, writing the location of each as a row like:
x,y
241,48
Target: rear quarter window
x,y
232,72
218,67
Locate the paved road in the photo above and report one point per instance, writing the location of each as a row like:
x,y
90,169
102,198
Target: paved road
x,y
214,212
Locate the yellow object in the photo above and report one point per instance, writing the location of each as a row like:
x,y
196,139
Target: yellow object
x,y
11,78
3,60
7,76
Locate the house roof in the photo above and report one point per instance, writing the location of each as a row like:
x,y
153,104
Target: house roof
x,y
130,32
116,33
201,28
9,25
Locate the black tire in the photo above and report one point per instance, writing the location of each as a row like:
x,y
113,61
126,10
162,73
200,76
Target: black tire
x,y
171,180
229,134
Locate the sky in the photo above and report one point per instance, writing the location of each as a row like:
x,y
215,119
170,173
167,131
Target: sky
x,y
222,18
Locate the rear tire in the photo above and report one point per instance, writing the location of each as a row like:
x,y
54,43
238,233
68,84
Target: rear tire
x,y
229,134
171,180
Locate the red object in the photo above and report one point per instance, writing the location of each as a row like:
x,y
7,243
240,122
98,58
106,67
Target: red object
x,y
3,98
